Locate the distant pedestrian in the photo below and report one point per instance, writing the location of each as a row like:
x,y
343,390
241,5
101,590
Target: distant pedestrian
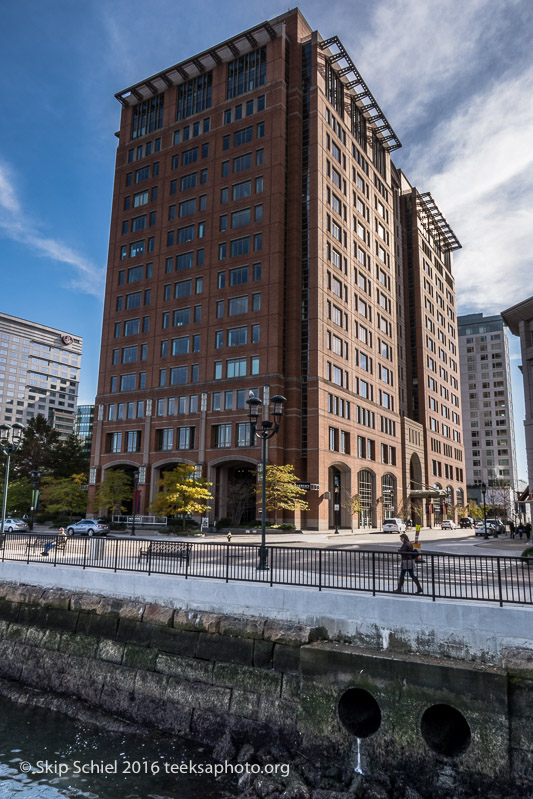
x,y
408,564
527,530
409,522
520,531
511,529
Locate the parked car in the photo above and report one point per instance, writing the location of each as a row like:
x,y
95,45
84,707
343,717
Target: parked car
x,y
394,526
498,524
13,525
466,522
88,527
448,524
491,529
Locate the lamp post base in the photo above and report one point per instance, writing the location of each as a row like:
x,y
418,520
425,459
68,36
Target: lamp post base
x,y
262,566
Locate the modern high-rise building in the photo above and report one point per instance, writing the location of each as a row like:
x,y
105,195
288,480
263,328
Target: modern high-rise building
x,y
39,373
83,426
490,448
262,240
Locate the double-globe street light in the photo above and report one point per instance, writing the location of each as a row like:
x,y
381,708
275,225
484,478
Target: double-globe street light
x,y
10,441
266,431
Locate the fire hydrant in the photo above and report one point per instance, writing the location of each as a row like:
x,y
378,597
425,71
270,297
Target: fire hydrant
x,y
229,538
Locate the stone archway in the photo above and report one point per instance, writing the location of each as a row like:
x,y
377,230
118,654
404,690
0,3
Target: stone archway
x,y
234,481
340,491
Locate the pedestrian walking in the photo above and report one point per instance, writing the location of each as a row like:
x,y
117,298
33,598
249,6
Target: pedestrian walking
x,y
520,531
511,529
527,530
408,564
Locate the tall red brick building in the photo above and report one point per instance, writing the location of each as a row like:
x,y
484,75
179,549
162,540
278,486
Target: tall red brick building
x,y
262,239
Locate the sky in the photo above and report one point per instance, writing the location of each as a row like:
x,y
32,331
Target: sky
x,y
454,79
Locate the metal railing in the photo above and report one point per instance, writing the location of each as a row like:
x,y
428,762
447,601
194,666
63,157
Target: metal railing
x,y
156,521
478,578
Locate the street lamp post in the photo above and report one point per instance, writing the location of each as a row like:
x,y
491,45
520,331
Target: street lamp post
x,y
134,500
10,441
35,477
484,491
268,429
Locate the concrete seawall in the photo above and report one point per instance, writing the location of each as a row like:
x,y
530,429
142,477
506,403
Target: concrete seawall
x,y
321,673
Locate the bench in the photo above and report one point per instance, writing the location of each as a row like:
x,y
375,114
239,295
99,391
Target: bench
x,y
166,549
40,540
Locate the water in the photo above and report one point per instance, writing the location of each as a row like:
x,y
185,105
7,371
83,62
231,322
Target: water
x,y
43,755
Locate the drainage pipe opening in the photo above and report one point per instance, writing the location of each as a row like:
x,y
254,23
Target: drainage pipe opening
x,y
359,712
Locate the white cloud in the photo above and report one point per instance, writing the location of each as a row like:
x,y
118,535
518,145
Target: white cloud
x,y
479,169
16,225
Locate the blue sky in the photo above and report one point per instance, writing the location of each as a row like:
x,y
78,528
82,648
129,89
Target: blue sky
x,y
454,79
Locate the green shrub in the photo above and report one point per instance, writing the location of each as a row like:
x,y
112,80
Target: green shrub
x,y
528,552
225,522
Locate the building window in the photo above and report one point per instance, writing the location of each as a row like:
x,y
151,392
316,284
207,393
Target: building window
x,y
243,434
147,116
236,367
221,435
194,96
246,73
165,439
186,437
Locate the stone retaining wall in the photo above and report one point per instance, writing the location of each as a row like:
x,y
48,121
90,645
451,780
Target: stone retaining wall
x,y
184,672
445,725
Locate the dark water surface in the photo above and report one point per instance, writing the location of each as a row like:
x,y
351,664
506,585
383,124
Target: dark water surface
x,y
33,738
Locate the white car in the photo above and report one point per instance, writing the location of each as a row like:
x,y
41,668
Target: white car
x,y
448,524
13,525
394,526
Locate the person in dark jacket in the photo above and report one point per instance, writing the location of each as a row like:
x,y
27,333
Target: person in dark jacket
x,y
408,565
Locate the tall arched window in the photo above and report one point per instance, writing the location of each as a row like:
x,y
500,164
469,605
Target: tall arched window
x,y
460,497
388,490
365,498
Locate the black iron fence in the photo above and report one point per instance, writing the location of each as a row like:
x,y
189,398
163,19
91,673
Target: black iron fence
x,y
481,578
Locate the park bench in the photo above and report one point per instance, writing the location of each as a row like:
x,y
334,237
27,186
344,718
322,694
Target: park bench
x,y
166,549
39,541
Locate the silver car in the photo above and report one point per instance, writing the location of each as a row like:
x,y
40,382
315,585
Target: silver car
x,y
88,527
13,525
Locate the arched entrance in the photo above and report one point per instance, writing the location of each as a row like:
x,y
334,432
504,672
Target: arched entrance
x,y
125,496
340,491
388,492
234,484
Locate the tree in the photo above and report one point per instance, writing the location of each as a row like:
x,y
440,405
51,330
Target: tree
x,y
352,504
39,443
68,458
18,496
474,511
282,493
182,493
115,489
64,495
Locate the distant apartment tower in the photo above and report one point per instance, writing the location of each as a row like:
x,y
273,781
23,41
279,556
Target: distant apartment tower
x,y
487,402
39,373
519,319
260,241
83,426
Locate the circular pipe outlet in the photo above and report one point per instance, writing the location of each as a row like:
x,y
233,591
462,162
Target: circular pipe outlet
x,y
359,712
445,730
